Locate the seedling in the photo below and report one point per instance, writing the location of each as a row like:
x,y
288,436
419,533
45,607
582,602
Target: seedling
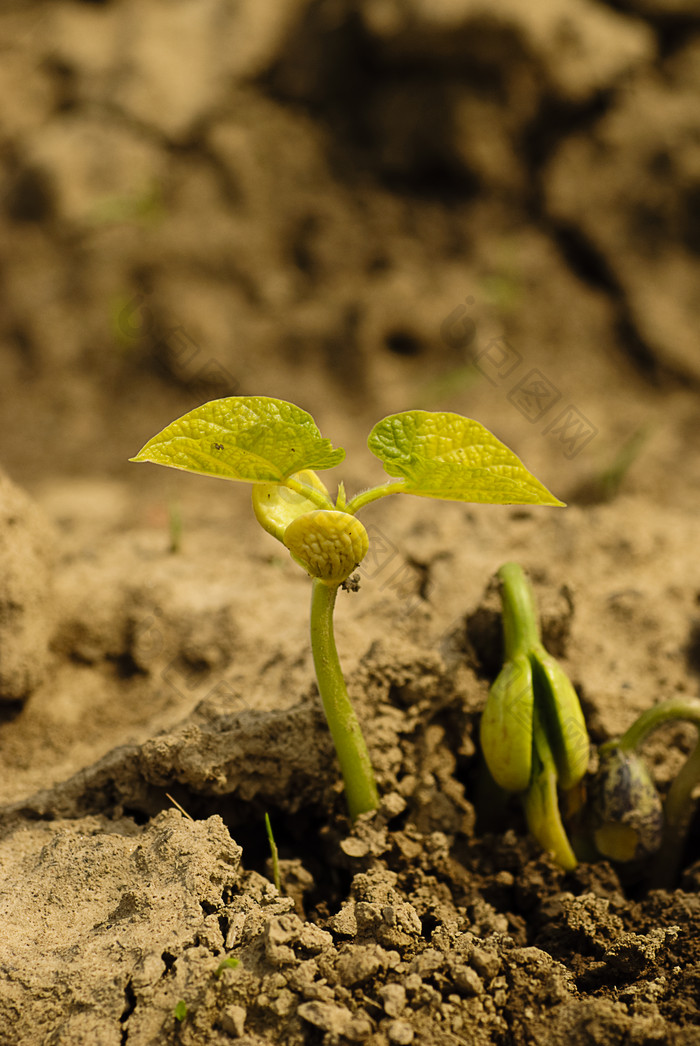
x,y
180,1011
533,734
628,823
274,856
229,963
605,485
277,447
175,527
625,812
144,208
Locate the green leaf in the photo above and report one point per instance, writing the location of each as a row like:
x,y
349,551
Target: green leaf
x,y
442,455
254,439
180,1011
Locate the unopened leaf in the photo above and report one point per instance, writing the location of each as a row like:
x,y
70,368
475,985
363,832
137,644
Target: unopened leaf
x,y
254,439
443,455
327,543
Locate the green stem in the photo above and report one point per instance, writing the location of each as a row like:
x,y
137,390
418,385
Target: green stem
x,y
307,491
374,493
520,629
360,788
674,708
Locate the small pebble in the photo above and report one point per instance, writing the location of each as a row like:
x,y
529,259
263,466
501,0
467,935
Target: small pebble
x,y
400,1032
393,998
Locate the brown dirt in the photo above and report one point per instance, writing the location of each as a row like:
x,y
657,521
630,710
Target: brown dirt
x,y
362,208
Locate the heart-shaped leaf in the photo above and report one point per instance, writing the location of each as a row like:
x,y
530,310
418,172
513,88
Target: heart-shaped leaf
x,y
254,439
442,455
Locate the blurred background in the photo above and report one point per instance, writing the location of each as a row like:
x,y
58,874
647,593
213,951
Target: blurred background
x,y
362,206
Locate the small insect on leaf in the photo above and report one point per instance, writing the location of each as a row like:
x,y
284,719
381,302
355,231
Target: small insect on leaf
x,y
443,455
252,439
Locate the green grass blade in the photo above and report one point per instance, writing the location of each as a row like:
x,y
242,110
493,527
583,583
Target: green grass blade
x,y
276,878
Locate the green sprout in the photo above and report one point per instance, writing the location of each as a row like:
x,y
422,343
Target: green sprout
x,y
180,1011
143,207
625,811
605,485
610,479
627,819
175,527
277,447
533,734
229,963
273,854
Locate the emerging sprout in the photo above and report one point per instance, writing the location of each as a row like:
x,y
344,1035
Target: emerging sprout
x,y
229,963
277,447
626,810
533,734
274,855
